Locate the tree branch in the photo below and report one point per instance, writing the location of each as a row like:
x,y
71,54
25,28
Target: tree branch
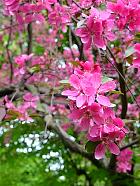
x,y
30,36
124,102
8,52
72,145
130,144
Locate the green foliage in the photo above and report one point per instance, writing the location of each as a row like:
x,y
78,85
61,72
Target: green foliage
x,y
39,50
30,158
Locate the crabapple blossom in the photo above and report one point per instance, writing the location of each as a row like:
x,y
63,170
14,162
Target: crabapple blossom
x,y
124,161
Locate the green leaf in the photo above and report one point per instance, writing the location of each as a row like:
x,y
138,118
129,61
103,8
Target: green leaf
x,y
106,79
75,63
34,69
90,146
116,92
129,51
65,81
39,50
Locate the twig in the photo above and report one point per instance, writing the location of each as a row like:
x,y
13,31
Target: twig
x,y
8,53
72,145
130,144
30,36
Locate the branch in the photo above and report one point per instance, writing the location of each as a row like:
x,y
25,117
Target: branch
x,y
7,50
130,144
30,36
124,101
72,145
7,91
79,44
112,55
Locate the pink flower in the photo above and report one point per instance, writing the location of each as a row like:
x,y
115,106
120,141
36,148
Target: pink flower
x,y
136,62
124,161
126,14
22,59
91,33
100,149
11,6
59,17
30,100
88,88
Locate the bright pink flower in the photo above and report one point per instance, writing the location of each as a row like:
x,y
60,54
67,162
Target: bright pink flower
x,y
126,14
22,59
11,6
91,33
89,88
124,161
136,62
59,17
100,149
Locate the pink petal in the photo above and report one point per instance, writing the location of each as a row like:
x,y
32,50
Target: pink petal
x,y
74,81
96,80
136,62
81,99
89,91
91,100
82,32
94,131
88,44
99,42
99,151
76,114
119,122
114,149
108,86
103,100
84,124
86,39
137,47
69,93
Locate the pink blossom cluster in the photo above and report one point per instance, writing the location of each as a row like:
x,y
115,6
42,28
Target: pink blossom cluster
x,y
22,110
59,17
11,6
136,61
91,108
126,14
97,29
124,161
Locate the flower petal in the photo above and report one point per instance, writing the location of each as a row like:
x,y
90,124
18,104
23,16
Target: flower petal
x,y
69,93
108,86
103,100
81,99
74,81
114,149
99,151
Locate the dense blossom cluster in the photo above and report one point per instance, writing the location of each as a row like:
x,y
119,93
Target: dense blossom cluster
x,y
91,108
124,161
82,40
21,111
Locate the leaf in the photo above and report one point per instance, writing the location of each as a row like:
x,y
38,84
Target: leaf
x,y
41,107
65,81
39,50
34,69
13,113
90,146
106,79
75,63
116,92
129,51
